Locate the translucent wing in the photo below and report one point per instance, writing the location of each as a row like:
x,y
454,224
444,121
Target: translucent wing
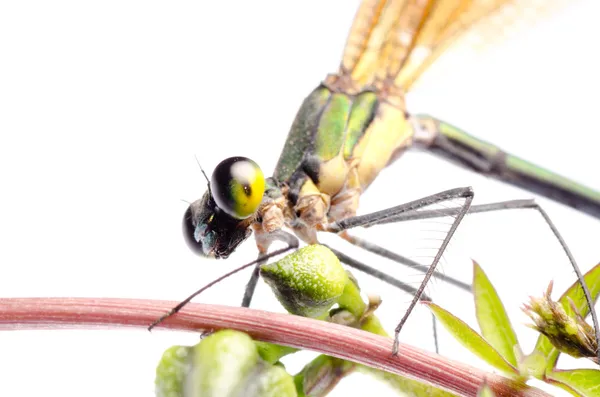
x,y
373,33
473,24
399,39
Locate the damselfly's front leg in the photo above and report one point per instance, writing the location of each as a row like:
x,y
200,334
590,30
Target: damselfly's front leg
x,y
263,257
292,244
379,217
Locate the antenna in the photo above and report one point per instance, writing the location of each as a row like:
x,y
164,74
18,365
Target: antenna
x,y
203,173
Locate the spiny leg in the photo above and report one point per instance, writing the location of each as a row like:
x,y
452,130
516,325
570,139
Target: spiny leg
x,y
475,209
428,214
508,205
293,241
226,275
524,204
383,252
387,279
371,271
281,235
377,217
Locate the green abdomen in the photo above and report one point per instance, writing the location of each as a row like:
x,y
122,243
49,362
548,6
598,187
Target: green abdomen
x,y
488,159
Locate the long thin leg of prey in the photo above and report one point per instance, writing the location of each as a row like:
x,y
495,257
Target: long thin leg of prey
x,y
375,218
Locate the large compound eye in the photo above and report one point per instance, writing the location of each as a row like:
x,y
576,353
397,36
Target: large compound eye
x,y
237,186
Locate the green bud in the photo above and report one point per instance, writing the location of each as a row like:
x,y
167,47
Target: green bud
x,y
224,364
569,333
171,371
220,362
274,382
308,281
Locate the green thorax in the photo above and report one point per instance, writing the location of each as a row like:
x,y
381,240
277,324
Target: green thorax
x,y
328,124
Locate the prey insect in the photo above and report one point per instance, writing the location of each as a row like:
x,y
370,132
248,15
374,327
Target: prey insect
x,y
350,127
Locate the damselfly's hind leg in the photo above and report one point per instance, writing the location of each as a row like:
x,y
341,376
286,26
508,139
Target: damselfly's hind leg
x,y
383,216
262,258
387,279
499,206
524,204
385,253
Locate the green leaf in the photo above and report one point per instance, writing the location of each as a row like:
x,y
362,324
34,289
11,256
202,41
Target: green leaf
x,y
492,318
472,340
592,279
579,382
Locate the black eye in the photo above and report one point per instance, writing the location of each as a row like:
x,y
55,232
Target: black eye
x,y
237,186
188,233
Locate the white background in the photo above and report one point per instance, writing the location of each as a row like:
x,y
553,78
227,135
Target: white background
x,y
104,105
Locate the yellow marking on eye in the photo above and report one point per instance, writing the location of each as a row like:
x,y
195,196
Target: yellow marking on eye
x,y
238,185
247,188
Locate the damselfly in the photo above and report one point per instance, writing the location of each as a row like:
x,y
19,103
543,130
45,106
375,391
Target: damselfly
x,y
105,105
354,124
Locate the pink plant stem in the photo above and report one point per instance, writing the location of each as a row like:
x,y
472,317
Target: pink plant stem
x,y
284,329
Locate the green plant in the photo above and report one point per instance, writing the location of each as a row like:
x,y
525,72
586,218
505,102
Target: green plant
x,y
308,283
312,283
498,345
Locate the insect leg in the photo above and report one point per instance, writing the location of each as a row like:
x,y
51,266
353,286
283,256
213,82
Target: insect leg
x,y
281,235
520,204
507,205
376,273
377,217
387,279
251,285
381,251
226,275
